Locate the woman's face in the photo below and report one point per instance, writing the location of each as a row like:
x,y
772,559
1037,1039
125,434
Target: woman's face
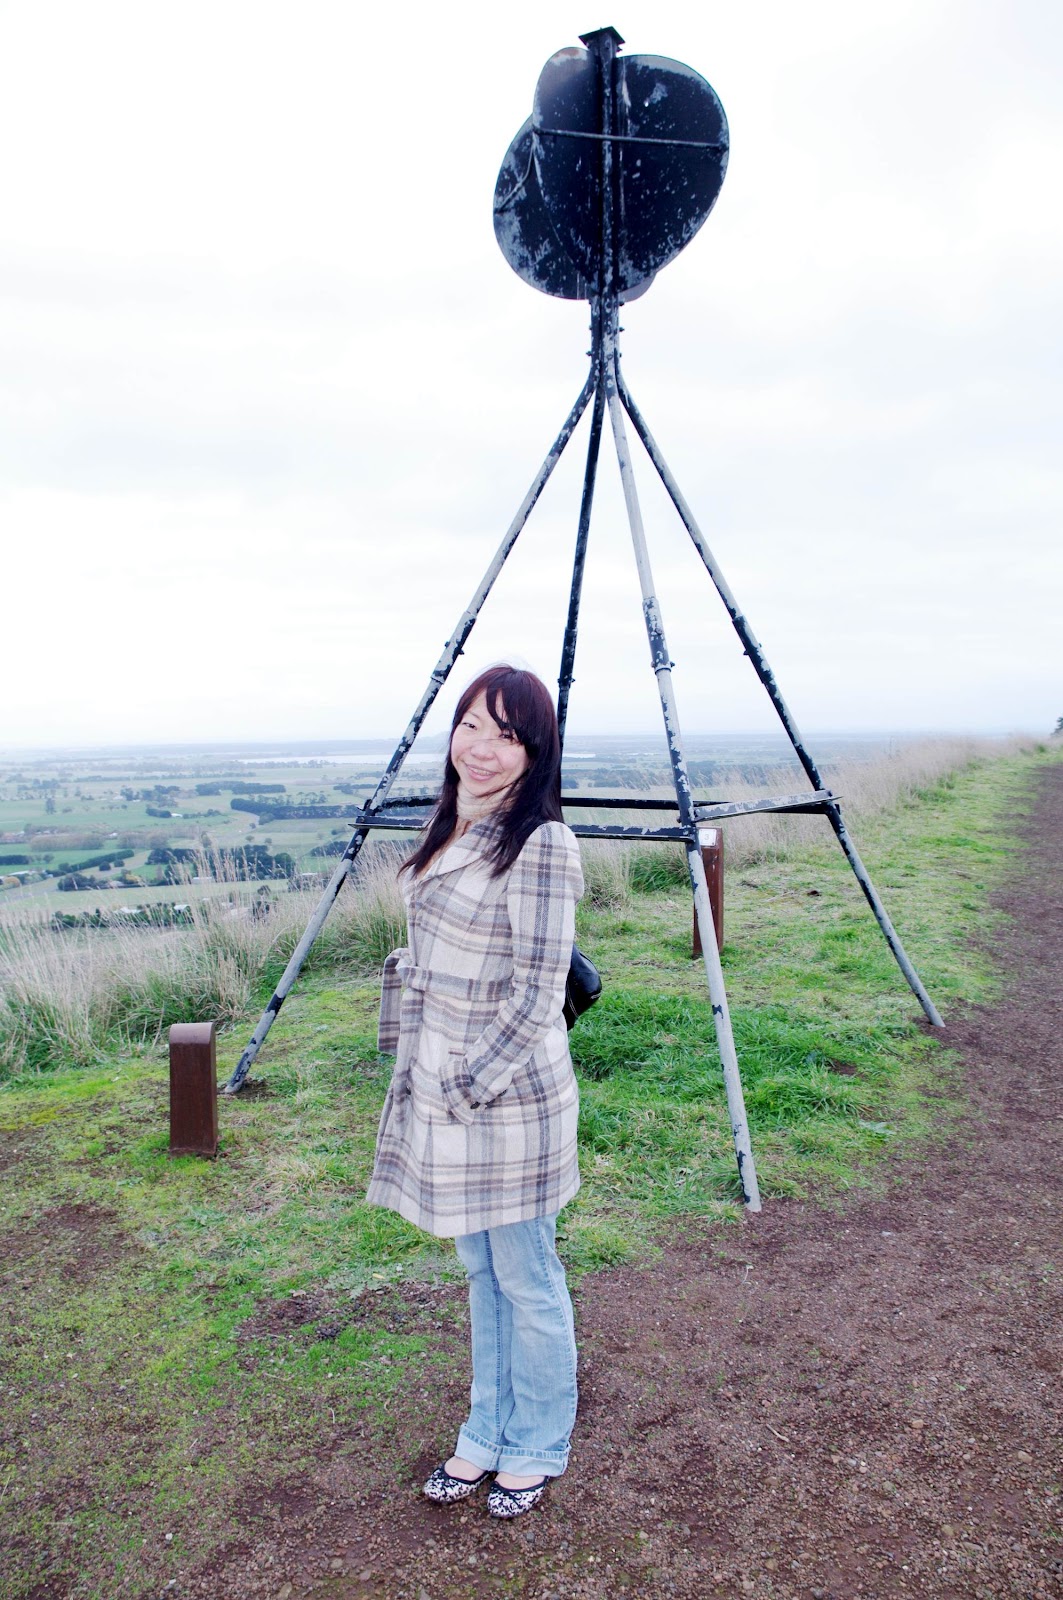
x,y
487,758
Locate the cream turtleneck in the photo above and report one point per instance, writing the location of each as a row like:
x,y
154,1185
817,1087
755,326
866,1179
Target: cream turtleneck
x,y
473,808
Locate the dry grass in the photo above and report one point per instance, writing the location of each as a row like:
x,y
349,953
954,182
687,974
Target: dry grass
x,y
867,789
607,868
67,997
369,919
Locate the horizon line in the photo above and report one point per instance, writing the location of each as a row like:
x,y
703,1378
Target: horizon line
x,y
281,744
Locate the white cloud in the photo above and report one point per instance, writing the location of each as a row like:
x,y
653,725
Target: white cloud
x,y
269,396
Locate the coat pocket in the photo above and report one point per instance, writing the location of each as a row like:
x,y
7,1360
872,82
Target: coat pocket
x,y
440,1083
539,1089
455,1086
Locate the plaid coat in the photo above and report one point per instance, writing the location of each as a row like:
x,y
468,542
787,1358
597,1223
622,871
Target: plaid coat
x,y
479,1125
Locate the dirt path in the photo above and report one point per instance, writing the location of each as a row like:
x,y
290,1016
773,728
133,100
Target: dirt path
x,y
821,1403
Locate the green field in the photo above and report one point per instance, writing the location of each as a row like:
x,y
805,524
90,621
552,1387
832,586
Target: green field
x,y
67,811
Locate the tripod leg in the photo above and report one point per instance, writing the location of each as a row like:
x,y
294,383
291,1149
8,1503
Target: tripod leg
x,y
760,665
568,650
662,667
451,651
900,955
721,1016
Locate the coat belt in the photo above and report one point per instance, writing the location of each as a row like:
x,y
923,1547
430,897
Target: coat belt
x,y
448,986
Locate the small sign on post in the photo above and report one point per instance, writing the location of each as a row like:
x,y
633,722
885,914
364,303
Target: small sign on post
x,y
193,1090
711,841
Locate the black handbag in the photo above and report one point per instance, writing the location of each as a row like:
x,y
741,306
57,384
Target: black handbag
x,y
583,987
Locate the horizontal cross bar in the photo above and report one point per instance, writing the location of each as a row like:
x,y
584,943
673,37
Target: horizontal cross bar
x,y
615,830
583,830
818,800
613,802
390,816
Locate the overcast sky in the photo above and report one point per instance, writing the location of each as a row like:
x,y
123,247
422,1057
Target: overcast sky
x,y
270,395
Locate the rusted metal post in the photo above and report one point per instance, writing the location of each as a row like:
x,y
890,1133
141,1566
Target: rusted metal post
x,y
193,1090
711,841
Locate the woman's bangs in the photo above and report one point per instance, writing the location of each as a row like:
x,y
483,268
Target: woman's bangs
x,y
526,708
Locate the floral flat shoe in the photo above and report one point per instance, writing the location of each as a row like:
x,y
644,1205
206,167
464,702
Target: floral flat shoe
x,y
514,1502
444,1488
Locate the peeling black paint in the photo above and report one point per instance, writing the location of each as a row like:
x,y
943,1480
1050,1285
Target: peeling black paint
x,y
639,137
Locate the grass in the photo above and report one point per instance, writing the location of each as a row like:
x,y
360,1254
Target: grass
x,y
147,1367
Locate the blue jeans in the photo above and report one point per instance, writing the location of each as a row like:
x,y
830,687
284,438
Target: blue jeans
x,y
523,1351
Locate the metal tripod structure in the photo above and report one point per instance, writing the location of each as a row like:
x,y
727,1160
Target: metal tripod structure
x,y
606,386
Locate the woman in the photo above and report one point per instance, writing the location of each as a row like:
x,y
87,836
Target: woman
x,y
477,1139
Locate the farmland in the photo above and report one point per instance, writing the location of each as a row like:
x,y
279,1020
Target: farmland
x,y
107,819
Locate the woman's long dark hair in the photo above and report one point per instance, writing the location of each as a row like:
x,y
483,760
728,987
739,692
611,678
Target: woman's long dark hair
x,y
520,702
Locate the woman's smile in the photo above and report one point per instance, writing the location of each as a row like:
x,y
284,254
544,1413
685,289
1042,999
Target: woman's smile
x,y
486,755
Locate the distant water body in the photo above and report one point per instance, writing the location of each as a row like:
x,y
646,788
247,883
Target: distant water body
x,y
348,758
368,758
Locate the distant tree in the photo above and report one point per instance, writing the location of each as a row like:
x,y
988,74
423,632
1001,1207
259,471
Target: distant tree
x,y
246,862
1059,725
161,856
